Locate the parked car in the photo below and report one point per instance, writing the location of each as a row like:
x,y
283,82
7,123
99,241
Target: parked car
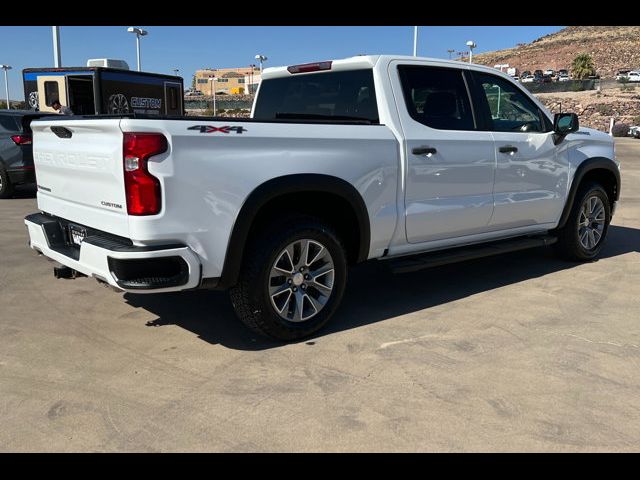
x,y
386,158
563,77
538,73
516,78
550,72
16,155
525,74
528,79
546,79
634,131
633,76
620,74
563,71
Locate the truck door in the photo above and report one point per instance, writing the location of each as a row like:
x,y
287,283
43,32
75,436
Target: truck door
x,y
531,174
450,160
172,98
52,87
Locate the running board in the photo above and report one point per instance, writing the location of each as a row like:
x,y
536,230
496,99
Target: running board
x,y
470,252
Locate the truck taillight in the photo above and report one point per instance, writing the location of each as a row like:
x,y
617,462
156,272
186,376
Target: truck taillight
x,y
21,139
144,196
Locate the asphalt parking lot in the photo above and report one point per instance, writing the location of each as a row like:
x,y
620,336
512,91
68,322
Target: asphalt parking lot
x,y
518,352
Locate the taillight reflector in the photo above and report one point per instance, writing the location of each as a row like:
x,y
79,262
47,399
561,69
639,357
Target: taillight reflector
x,y
22,139
309,67
144,196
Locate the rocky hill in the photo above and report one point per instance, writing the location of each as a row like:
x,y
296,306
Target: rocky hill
x,y
612,48
595,109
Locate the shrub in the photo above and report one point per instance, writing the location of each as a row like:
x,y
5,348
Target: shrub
x,y
620,130
604,109
576,86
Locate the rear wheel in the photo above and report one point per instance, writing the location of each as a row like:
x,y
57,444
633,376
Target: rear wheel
x,y
292,279
6,187
582,238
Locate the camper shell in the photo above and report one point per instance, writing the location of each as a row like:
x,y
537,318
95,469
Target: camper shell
x,y
103,90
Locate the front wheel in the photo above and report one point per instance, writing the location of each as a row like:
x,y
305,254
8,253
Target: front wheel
x,y
582,238
292,280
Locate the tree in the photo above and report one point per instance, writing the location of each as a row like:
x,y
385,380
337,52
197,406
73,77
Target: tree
x,y
193,83
582,66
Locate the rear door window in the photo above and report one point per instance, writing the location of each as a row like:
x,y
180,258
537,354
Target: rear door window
x,y
437,97
324,95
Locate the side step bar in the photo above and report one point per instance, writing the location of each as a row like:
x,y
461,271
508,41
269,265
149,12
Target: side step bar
x,y
470,252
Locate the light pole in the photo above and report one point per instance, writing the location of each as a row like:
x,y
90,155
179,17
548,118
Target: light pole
x,y
6,82
261,58
450,52
213,81
175,71
415,41
139,33
471,44
57,56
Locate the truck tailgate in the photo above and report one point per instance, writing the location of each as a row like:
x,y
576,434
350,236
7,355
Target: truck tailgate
x,y
79,172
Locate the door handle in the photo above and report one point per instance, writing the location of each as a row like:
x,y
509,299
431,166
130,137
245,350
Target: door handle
x,y
424,151
508,149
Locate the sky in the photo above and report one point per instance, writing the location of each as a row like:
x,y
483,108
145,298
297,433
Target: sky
x,y
191,48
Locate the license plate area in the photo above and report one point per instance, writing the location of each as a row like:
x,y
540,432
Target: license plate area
x,y
76,234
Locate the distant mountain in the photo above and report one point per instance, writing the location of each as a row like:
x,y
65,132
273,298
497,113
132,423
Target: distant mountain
x,y
612,48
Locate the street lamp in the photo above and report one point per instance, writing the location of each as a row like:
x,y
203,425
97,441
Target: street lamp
x,y
57,58
139,33
471,44
450,52
6,82
261,58
213,81
175,71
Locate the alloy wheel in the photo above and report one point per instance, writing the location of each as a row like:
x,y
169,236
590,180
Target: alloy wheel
x,y
301,280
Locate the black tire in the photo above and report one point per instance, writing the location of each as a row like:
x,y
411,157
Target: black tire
x,y
250,297
569,245
6,187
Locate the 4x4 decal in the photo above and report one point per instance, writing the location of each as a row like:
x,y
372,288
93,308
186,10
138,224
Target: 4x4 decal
x,y
212,129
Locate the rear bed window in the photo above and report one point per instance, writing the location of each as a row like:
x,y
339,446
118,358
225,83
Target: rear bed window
x,y
324,95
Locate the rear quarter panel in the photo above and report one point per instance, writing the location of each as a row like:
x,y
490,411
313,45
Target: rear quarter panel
x,y
208,176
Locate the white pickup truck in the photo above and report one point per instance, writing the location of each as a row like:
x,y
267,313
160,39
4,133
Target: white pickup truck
x,y
411,160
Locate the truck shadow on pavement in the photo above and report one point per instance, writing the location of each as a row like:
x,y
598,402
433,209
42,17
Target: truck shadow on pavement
x,y
373,293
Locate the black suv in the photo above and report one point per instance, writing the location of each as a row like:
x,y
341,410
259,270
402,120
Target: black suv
x,y
16,153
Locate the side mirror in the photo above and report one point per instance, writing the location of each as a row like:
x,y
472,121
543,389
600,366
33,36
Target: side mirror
x,y
565,123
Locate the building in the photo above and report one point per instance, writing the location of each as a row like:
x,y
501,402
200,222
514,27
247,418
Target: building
x,y
252,82
232,81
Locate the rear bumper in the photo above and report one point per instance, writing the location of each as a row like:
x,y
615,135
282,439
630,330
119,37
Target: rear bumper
x,y
114,260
